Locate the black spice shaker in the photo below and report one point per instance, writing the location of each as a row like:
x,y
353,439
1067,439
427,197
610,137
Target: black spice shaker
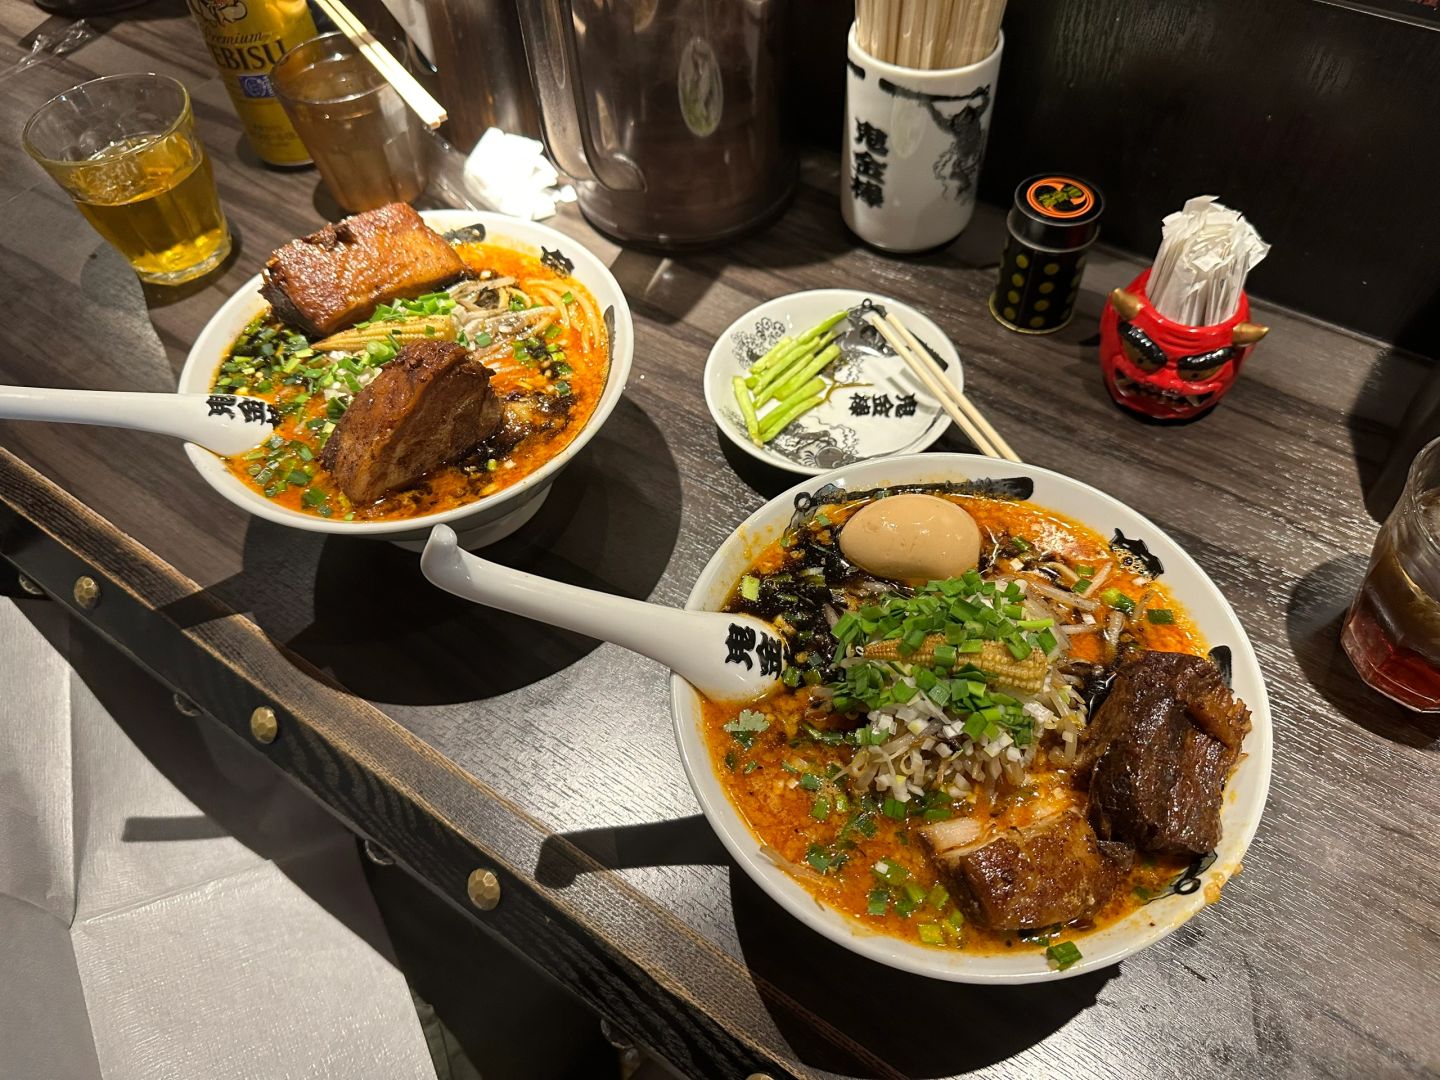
x,y
1054,221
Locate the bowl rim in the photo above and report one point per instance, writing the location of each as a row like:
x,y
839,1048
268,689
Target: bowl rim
x,y
199,363
742,844
922,323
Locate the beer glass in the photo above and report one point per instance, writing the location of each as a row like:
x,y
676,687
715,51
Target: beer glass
x,y
124,148
370,148
1392,632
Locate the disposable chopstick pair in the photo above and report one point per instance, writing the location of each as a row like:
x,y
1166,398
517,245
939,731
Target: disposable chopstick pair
x,y
416,96
960,408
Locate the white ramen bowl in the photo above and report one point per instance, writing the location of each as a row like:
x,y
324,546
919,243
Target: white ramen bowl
x,y
488,518
1244,795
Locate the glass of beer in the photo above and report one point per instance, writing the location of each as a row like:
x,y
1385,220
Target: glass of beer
x,y
370,148
124,148
1392,632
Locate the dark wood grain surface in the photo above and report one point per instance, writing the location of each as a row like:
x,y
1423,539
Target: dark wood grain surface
x,y
554,755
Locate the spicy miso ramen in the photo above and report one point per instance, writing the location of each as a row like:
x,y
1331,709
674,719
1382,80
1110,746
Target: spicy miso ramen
x,y
413,373
997,729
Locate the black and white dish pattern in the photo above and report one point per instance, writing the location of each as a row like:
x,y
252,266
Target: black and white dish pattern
x,y
876,407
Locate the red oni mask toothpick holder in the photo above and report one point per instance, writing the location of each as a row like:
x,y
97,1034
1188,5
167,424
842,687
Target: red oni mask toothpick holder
x,y
1165,369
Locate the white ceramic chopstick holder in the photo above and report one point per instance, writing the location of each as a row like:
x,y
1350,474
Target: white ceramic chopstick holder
x,y
914,140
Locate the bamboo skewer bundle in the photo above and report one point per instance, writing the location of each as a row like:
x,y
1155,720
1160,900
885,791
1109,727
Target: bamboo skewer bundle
x,y
929,34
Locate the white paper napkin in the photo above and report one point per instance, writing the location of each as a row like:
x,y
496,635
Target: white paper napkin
x,y
511,174
139,939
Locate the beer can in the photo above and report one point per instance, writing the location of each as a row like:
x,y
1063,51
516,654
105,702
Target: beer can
x,y
246,39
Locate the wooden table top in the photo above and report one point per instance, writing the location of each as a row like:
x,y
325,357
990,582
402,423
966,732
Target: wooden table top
x,y
1323,957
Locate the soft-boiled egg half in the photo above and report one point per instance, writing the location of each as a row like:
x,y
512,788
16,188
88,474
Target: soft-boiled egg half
x,y
912,538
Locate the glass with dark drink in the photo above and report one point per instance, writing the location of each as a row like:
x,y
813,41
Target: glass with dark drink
x,y
1392,633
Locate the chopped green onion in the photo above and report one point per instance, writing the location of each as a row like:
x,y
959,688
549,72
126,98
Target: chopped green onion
x,y
930,933
1117,600
891,873
1062,955
1160,615
750,587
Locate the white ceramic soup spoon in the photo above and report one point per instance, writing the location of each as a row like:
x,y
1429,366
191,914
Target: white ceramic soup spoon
x,y
729,658
225,423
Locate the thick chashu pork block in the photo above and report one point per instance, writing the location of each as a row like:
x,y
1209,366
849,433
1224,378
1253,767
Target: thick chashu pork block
x,y
1159,751
1052,870
429,406
332,278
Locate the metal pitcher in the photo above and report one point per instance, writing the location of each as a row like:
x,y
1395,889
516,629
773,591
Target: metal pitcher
x,y
666,112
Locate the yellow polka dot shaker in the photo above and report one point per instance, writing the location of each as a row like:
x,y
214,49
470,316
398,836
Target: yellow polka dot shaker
x,y
1053,223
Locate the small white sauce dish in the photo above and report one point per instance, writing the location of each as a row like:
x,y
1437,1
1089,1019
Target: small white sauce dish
x,y
877,408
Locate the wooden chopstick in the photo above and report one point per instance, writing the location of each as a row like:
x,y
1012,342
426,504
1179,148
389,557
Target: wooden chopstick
x,y
430,111
966,405
929,373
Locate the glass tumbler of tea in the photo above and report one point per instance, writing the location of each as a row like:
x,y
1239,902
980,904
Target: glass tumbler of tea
x,y
124,148
1392,632
370,148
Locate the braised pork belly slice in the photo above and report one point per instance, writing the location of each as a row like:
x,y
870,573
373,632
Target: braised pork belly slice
x,y
429,406
1159,751
335,277
1051,870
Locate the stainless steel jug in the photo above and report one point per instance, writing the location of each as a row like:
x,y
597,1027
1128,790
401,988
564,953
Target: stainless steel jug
x,y
666,112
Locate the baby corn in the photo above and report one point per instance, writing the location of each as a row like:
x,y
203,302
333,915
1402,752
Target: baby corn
x,y
994,659
403,331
